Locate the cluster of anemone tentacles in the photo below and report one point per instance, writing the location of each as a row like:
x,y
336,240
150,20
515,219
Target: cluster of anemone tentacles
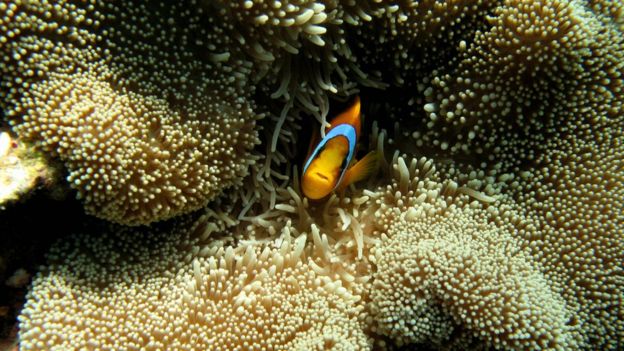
x,y
495,220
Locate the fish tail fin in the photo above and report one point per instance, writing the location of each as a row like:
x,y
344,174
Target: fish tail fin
x,y
360,170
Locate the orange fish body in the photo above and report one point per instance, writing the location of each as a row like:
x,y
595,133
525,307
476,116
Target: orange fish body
x,y
328,166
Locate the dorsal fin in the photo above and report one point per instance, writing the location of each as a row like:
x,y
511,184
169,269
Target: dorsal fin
x,y
349,116
314,140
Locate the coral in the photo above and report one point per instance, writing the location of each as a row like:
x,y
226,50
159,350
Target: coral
x,y
418,261
22,168
406,33
449,271
145,290
517,78
495,220
146,131
29,228
299,48
535,111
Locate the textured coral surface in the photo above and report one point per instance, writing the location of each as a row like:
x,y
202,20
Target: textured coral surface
x,y
495,219
147,126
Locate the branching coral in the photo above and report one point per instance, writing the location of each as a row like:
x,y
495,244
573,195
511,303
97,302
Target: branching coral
x,y
147,131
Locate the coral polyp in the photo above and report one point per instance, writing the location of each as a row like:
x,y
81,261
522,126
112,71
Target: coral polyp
x,y
494,219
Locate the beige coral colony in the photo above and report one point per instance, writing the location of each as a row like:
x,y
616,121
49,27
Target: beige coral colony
x,y
493,221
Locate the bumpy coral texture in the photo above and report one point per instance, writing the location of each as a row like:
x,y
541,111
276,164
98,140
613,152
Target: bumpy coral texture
x,y
507,235
419,261
187,283
142,115
265,297
537,104
449,266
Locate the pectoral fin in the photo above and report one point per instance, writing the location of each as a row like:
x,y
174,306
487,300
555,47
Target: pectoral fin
x,y
359,171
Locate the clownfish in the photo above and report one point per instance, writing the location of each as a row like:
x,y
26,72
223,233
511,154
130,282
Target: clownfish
x,y
328,166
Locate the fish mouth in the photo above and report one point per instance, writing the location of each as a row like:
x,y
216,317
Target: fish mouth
x,y
322,176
